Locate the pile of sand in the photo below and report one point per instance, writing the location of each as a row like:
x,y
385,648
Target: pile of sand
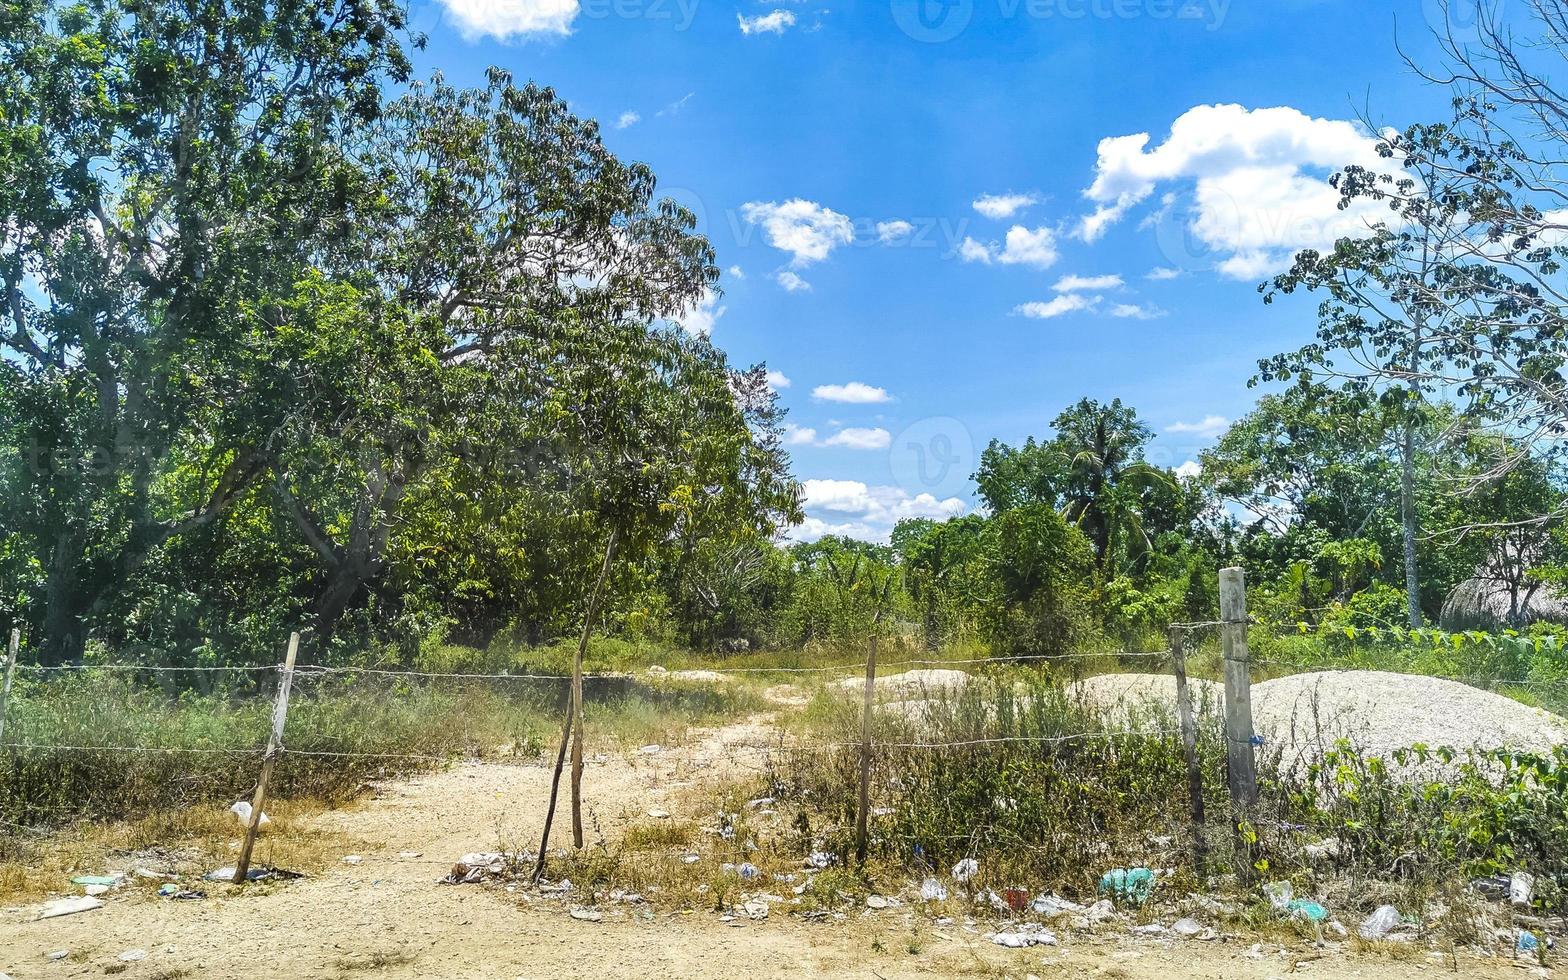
x,y
1375,710
913,683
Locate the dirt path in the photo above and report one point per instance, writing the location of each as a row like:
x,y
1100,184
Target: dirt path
x,y
386,916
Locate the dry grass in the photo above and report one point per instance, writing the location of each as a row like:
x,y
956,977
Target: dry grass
x,y
186,843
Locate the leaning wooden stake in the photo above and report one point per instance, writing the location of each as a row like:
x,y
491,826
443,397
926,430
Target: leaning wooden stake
x,y
10,671
577,697
280,714
1189,742
574,723
555,791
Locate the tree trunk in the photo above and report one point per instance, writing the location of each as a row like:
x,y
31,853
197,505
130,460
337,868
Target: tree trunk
x,y
1407,516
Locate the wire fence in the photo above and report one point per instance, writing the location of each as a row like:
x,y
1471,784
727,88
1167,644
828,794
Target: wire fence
x,y
1237,729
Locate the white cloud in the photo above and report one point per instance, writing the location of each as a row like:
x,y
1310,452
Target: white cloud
x,y
791,282
853,393
889,232
853,438
505,19
776,22
1190,470
1208,428
795,435
703,315
853,509
736,272
1258,180
1078,284
1132,311
675,107
627,118
1162,274
778,380
805,229
999,206
1022,246
1065,303
972,251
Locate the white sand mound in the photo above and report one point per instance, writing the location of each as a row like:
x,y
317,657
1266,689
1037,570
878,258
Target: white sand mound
x,y
1378,711
910,683
1122,693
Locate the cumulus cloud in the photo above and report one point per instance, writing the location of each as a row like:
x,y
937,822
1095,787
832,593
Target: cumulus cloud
x,y
791,282
703,315
627,118
776,22
999,206
1190,470
854,509
1022,246
736,272
796,435
1162,273
1078,284
506,19
1063,304
1257,178
1209,427
853,393
806,230
1132,311
853,438
889,232
778,380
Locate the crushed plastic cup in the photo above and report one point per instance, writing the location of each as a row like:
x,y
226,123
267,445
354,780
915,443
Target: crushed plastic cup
x,y
1279,894
1300,908
1380,923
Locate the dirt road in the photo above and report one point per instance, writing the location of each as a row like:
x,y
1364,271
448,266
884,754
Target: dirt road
x,y
387,916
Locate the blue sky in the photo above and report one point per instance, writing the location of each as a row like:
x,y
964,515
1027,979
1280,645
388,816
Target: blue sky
x,y
921,227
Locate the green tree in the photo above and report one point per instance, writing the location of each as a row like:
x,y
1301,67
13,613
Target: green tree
x,y
166,171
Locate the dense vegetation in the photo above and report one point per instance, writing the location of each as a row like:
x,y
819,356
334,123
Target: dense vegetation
x,y
295,340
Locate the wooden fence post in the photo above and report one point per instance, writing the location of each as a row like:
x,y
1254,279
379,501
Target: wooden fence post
x,y
10,671
280,714
1189,742
1243,776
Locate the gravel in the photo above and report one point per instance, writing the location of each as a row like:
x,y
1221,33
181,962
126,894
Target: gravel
x,y
1376,710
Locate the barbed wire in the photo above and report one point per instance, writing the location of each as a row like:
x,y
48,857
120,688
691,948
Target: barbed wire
x,y
47,668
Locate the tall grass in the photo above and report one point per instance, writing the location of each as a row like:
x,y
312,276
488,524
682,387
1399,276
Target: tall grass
x,y
110,746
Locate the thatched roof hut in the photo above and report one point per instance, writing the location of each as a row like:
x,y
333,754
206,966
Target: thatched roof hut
x,y
1489,604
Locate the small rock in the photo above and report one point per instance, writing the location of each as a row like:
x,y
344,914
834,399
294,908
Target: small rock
x,y
876,902
658,814
587,915
59,954
410,855
352,859
133,955
755,910
94,889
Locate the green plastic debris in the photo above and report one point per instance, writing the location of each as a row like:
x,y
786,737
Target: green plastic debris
x,y
1311,911
1130,885
96,880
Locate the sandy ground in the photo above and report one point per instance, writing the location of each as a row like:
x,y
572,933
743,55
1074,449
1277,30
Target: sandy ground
x,y
387,916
